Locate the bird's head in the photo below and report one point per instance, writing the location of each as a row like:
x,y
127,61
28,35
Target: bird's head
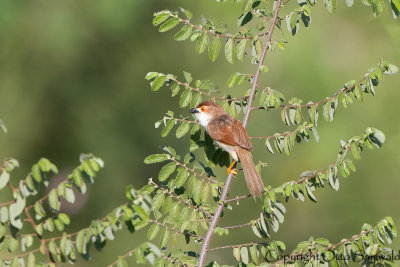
x,y
206,111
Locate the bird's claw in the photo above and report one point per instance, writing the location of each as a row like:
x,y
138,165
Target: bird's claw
x,y
231,171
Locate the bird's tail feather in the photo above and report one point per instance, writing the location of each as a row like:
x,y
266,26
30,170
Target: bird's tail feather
x,y
253,179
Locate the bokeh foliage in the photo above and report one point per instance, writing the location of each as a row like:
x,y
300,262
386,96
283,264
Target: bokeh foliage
x,y
72,103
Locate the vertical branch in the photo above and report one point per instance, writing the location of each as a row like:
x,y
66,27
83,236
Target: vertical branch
x,y
217,215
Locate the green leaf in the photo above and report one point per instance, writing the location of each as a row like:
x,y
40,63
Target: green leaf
x,y
202,43
3,216
158,82
247,4
214,48
158,200
151,75
64,218
185,98
153,231
392,69
160,18
358,92
292,23
183,33
4,178
77,178
3,126
181,177
31,260
81,242
155,158
244,19
232,110
168,25
254,254
15,262
17,208
159,262
310,194
2,233
39,229
241,49
49,225
377,138
196,100
232,79
188,77
141,212
187,13
36,173
355,150
395,5
236,253
209,85
86,166
168,127
205,192
165,238
12,244
44,164
196,190
54,201
175,89
182,129
244,254
166,171
229,50
40,213
349,3
258,47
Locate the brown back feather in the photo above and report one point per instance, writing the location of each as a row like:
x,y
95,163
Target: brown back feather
x,y
230,131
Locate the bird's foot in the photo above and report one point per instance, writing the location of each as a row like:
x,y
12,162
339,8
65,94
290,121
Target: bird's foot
x,y
229,170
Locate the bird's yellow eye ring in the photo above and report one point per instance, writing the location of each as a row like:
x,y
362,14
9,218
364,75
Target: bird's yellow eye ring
x,y
203,109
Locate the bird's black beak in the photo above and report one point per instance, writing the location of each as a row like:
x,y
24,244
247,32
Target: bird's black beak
x,y
193,110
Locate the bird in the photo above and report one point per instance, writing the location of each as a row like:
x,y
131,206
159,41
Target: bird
x,y
230,135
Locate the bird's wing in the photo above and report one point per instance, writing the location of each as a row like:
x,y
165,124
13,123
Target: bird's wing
x,y
230,131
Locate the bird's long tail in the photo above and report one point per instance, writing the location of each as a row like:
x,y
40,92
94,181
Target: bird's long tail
x,y
253,179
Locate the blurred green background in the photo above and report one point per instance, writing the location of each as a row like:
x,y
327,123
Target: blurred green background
x,y
72,81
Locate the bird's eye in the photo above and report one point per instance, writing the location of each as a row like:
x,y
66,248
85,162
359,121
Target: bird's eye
x,y
203,109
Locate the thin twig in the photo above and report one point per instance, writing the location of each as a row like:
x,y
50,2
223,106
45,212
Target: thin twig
x,y
304,179
199,27
22,255
175,230
7,203
283,134
236,246
42,240
343,90
228,182
173,261
182,120
237,198
208,94
236,226
129,253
